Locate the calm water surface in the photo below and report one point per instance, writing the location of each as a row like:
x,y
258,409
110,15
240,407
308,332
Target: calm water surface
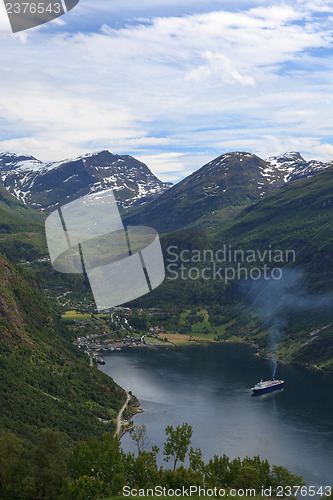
x,y
208,387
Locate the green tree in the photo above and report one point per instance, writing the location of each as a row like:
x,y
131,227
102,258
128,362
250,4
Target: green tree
x,y
177,442
110,464
103,461
248,477
13,465
142,471
280,476
83,459
83,488
235,468
196,462
217,472
139,435
263,468
139,322
49,464
180,477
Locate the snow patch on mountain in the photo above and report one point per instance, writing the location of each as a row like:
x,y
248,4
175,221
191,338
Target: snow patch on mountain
x,y
49,185
292,166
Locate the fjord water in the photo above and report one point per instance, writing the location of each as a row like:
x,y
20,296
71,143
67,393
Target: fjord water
x,y
209,387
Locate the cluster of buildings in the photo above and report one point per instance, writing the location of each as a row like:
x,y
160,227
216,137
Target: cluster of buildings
x,y
94,346
156,329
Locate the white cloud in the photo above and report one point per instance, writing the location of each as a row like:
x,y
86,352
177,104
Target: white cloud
x,y
172,166
170,88
323,152
218,67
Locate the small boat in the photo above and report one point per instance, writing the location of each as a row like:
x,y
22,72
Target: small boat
x,y
100,361
267,386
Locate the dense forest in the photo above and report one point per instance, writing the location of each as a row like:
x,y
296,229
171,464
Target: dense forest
x,y
98,467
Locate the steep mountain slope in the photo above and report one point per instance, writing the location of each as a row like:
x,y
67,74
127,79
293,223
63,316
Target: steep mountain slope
x,y
214,194
13,206
45,381
297,217
21,229
47,185
216,191
297,309
293,311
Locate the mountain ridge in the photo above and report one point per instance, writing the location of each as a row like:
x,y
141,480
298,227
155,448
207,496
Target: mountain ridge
x,y
295,167
48,185
294,221
219,190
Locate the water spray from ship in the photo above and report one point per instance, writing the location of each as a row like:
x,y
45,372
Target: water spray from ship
x,y
275,336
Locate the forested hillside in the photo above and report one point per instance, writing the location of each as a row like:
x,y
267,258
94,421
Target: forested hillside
x,y
45,381
21,229
296,218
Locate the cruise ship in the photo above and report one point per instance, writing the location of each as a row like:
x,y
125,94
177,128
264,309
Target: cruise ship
x,y
267,386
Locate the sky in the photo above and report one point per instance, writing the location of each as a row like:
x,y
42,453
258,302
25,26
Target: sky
x,y
175,85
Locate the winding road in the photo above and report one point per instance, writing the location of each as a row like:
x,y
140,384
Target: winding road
x,y
120,415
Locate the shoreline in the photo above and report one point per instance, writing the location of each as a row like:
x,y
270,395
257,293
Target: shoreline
x,y
119,432
259,352
127,429
158,418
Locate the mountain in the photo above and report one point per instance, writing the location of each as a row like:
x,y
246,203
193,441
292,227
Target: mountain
x,y
298,305
48,185
295,309
21,229
298,216
45,381
211,196
12,206
292,166
217,192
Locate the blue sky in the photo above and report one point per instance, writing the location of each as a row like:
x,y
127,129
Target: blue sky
x,y
173,85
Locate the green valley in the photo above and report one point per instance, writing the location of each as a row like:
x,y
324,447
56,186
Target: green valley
x,y
296,218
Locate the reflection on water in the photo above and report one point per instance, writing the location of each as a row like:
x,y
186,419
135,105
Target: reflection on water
x,y
266,394
209,387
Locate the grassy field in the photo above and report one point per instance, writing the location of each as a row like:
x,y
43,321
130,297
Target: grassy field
x,y
182,339
71,315
203,329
